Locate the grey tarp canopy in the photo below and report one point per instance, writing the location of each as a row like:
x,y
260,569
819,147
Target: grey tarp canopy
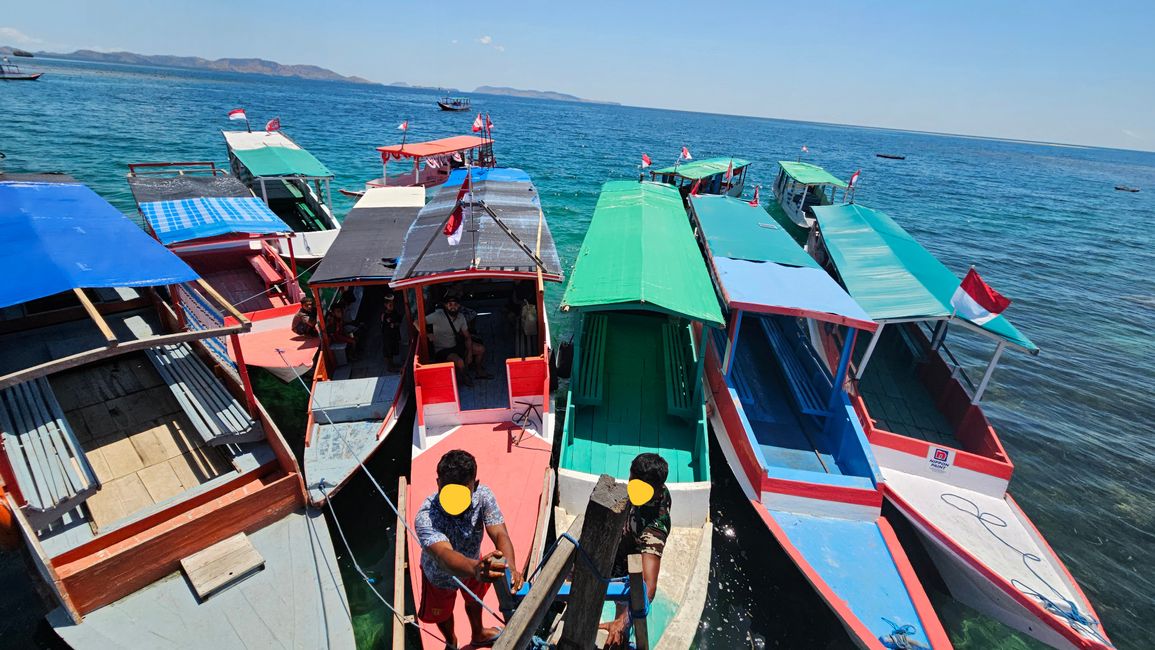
x,y
367,247
485,248
150,189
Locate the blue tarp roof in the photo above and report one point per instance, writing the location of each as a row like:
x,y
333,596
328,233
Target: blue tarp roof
x,y
760,267
62,236
201,218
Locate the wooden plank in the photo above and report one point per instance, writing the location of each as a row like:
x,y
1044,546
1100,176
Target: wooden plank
x,y
605,516
222,564
520,628
399,565
544,506
638,601
241,318
105,330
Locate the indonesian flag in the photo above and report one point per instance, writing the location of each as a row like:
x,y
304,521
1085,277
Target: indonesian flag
x,y
432,163
976,301
685,154
646,162
273,125
477,123
804,149
729,171
754,201
237,114
488,124
404,126
854,178
695,186
456,223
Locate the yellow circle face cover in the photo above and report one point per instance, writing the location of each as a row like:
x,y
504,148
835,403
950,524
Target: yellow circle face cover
x,y
455,499
640,492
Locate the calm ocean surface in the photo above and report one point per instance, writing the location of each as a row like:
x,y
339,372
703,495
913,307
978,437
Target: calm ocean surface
x,y
1042,223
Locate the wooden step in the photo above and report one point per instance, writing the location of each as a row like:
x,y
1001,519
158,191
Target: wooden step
x,y
225,563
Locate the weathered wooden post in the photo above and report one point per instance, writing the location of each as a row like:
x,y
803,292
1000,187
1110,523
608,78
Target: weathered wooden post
x,y
529,615
638,601
605,517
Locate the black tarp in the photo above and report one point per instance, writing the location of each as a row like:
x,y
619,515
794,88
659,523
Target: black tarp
x,y
367,247
485,245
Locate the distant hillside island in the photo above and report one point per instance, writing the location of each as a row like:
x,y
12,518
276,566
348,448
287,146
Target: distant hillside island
x,y
243,66
536,94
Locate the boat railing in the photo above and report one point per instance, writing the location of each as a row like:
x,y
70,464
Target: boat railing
x,y
957,369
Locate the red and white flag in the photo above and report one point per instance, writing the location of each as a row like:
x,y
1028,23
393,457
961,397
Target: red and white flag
x,y
976,301
273,125
729,172
804,149
432,163
853,179
646,162
238,114
694,188
488,124
404,126
477,123
754,201
456,223
685,155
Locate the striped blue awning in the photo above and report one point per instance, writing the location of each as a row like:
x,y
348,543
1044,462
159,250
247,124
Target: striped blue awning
x,y
189,219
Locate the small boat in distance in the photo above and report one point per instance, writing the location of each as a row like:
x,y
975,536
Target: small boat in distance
x,y
890,156
709,175
11,72
453,103
801,186
1126,188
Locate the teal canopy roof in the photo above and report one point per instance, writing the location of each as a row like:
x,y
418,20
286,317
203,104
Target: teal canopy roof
x,y
696,169
890,274
808,174
759,267
640,252
281,161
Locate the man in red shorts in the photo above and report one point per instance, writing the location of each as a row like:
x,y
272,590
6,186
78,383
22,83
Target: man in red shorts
x,y
449,526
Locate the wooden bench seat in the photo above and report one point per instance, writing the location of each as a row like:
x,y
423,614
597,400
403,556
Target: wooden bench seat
x,y
588,380
50,466
800,380
268,273
676,355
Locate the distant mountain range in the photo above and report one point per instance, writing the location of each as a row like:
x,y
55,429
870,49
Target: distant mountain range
x,y
536,94
244,66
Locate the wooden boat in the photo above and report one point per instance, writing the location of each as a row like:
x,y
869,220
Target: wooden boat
x,y
890,156
433,161
505,255
156,497
1125,188
355,401
646,303
801,186
709,175
453,103
944,467
216,225
294,184
789,433
11,72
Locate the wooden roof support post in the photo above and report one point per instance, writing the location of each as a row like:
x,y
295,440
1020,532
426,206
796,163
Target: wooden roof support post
x,y
243,371
869,350
105,330
604,519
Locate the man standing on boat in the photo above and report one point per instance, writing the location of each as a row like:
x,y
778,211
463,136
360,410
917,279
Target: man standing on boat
x,y
645,533
452,340
449,526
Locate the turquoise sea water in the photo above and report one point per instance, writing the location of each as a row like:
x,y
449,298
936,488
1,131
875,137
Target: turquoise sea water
x,y
1042,223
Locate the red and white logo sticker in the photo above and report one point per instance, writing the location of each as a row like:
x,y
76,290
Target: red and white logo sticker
x,y
940,458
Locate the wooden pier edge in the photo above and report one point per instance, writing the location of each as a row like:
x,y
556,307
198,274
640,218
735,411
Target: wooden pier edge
x,y
400,620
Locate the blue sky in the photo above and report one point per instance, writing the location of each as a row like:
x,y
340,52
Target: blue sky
x,y
1072,72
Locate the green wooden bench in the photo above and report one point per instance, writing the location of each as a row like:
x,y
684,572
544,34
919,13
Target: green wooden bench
x,y
49,465
590,376
677,356
800,382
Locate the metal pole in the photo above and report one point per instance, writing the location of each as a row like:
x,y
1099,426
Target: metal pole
x,y
843,366
869,351
728,362
264,192
990,371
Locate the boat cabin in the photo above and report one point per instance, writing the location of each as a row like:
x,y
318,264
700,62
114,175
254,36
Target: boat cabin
x,y
215,224
129,446
801,186
722,175
360,384
291,181
428,164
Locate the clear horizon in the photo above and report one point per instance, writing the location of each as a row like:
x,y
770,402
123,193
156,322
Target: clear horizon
x,y
1056,73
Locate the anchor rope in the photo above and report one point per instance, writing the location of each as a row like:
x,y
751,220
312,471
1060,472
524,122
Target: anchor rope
x,y
1076,618
899,637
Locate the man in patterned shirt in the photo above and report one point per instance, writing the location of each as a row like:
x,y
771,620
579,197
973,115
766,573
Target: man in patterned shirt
x,y
451,547
645,533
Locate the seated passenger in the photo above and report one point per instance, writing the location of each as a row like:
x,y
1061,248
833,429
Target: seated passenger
x,y
452,341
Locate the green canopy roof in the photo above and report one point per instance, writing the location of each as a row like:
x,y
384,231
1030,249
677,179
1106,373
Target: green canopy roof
x,y
281,161
696,169
640,251
890,274
737,230
808,174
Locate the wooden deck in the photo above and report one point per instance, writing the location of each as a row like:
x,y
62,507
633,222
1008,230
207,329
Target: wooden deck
x,y
896,397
